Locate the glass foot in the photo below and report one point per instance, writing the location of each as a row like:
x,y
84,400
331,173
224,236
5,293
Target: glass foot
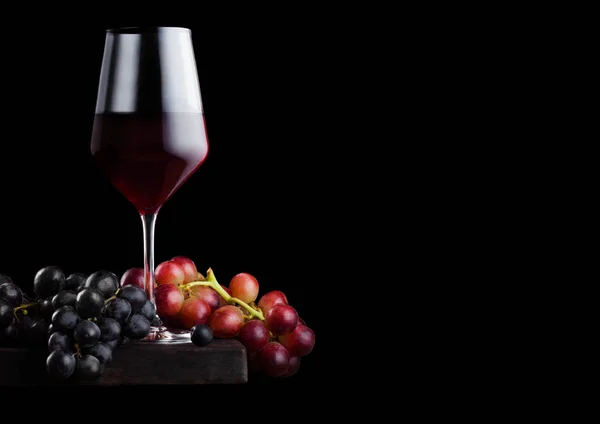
x,y
163,334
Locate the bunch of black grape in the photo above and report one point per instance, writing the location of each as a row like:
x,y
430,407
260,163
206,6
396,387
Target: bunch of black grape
x,y
14,323
82,319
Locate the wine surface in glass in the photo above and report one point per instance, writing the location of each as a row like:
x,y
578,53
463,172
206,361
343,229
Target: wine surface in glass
x,y
147,157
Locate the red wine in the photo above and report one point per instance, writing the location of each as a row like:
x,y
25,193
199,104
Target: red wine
x,y
148,157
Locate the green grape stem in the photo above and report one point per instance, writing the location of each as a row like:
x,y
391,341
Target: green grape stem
x,y
26,305
114,296
211,281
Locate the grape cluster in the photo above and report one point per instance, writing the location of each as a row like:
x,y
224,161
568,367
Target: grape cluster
x,y
80,319
274,336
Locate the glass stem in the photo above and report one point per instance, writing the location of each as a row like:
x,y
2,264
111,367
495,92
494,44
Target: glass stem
x,y
148,221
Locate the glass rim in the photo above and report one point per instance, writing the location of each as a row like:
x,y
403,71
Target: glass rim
x,y
144,29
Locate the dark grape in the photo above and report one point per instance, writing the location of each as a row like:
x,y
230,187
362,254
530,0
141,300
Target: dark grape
x,y
24,323
86,333
37,335
133,276
60,364
110,329
114,344
12,293
104,281
65,319
102,351
88,368
89,303
274,359
5,279
9,334
60,341
136,327
46,309
135,296
75,281
293,368
281,319
202,335
48,281
6,313
118,309
253,335
299,342
64,298
149,311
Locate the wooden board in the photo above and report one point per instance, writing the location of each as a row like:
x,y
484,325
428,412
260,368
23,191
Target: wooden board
x,y
138,363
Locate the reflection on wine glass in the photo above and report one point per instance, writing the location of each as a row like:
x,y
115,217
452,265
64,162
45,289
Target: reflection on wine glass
x,y
149,134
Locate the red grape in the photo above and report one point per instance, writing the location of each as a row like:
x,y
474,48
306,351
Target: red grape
x,y
226,321
293,368
189,268
244,286
194,311
253,335
133,277
169,272
270,299
281,319
299,342
273,359
168,300
221,300
208,295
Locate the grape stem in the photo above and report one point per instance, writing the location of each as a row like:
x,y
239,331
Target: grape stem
x,y
26,305
114,296
211,281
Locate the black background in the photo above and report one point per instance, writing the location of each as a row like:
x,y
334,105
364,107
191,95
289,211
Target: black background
x,y
262,201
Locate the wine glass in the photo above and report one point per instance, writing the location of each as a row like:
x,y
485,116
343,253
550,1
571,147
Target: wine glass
x,y
149,133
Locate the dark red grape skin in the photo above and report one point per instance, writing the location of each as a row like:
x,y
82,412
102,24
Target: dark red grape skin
x,y
299,342
281,319
188,266
253,335
133,277
293,367
270,299
226,321
273,359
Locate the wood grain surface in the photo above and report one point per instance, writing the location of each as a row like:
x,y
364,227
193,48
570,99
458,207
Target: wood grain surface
x,y
137,363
